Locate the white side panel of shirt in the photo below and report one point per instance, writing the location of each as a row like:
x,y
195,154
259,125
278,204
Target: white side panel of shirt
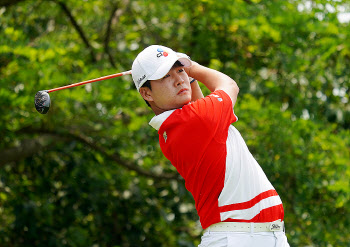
x,y
244,178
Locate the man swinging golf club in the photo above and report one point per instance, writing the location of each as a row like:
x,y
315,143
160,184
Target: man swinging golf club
x,y
235,201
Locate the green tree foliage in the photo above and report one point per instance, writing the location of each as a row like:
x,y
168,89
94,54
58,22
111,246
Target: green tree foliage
x,y
90,172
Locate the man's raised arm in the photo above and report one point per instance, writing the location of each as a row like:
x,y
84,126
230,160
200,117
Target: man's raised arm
x,y
214,80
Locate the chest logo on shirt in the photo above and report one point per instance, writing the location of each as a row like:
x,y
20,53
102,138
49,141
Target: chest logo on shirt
x,y
218,97
165,136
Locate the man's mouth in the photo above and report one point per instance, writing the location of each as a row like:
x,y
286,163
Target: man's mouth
x,y
182,90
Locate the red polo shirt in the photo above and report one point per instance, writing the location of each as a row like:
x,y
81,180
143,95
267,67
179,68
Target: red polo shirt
x,y
226,182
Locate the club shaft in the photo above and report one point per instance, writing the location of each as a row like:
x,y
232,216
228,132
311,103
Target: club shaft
x,y
90,81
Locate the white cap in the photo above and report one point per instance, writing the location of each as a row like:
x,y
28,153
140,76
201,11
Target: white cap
x,y
154,63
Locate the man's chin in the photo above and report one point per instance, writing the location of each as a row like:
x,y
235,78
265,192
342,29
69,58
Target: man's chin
x,y
186,102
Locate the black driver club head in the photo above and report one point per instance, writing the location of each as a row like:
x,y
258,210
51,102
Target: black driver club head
x,y
42,101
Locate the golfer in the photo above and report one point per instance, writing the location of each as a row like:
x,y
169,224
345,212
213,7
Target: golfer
x,y
236,203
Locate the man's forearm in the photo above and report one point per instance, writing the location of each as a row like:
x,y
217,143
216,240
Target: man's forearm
x,y
196,91
214,80
211,78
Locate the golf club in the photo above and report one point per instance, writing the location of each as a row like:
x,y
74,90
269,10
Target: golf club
x,y
42,100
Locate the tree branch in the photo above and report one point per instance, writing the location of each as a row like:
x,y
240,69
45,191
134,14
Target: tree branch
x,y
125,163
114,17
34,146
7,3
108,35
26,148
78,29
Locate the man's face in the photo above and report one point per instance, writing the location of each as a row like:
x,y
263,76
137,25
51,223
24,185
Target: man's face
x,y
170,92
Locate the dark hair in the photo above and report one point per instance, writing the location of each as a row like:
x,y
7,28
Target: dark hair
x,y
148,82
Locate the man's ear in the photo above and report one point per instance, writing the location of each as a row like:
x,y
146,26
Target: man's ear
x,y
146,93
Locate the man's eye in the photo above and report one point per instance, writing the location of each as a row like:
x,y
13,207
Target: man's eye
x,y
166,76
181,70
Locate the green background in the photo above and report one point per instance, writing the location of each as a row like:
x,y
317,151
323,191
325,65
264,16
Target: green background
x,y
90,172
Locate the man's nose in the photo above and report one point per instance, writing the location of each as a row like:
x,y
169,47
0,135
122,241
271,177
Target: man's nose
x,y
178,80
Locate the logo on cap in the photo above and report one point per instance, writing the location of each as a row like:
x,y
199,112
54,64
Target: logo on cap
x,y
141,78
161,52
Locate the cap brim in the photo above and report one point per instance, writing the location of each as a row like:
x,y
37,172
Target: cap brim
x,y
165,68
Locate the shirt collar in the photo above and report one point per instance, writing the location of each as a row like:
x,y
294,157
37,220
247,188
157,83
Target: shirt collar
x,y
158,120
